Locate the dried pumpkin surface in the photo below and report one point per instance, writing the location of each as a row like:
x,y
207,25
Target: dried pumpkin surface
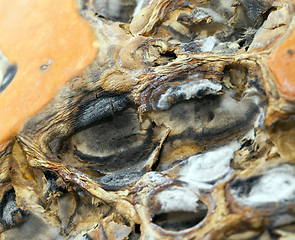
x,y
147,119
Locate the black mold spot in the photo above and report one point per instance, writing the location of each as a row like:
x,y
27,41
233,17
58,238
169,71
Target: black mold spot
x,y
8,77
8,207
98,108
191,47
210,116
244,187
290,51
52,185
116,181
258,85
87,237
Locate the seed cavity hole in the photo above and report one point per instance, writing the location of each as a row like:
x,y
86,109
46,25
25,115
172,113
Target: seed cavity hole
x,y
165,58
135,234
178,208
180,220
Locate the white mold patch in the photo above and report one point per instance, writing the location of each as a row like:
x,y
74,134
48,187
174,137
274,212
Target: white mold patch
x,y
199,15
209,167
216,17
277,186
260,122
208,44
186,91
155,177
8,212
178,199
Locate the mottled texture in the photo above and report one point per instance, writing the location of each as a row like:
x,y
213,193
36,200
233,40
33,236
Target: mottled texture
x,y
175,121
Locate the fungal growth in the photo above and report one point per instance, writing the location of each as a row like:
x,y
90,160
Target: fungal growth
x,y
147,119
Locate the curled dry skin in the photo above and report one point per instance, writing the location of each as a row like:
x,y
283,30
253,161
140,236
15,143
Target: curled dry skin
x,y
147,119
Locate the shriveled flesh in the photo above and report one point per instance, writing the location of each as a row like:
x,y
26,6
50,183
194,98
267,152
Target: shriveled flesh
x,y
160,120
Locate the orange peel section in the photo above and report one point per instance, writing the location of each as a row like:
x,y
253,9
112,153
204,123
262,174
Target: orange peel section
x,y
36,33
282,64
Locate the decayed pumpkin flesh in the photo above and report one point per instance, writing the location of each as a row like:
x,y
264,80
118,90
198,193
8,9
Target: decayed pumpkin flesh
x,y
35,34
175,125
